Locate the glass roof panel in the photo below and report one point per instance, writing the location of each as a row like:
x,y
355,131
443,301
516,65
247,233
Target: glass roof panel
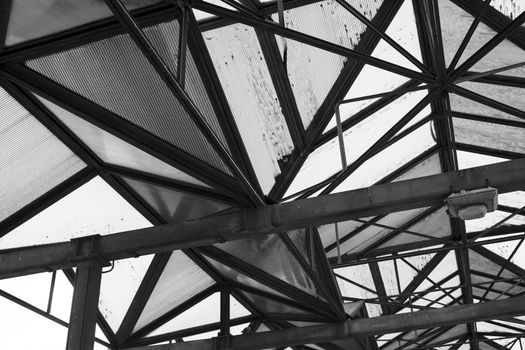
x,y
492,219
327,232
372,234
175,205
237,309
436,224
465,105
509,8
471,160
78,214
455,24
510,96
270,306
114,150
404,31
270,254
241,278
390,159
63,297
455,20
205,312
325,160
180,280
312,73
32,160
489,135
119,286
246,81
480,263
426,167
114,74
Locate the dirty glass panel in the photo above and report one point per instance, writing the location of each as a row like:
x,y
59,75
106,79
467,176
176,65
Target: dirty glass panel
x,y
326,161
403,30
465,105
455,24
390,159
78,214
175,205
118,287
251,95
114,150
507,95
32,159
489,135
180,280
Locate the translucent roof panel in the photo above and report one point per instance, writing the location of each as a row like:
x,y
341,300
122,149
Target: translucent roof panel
x,y
509,8
489,135
116,151
471,160
204,312
509,96
55,16
435,225
312,72
175,205
114,74
403,30
389,160
78,214
118,287
465,105
326,161
455,23
37,295
180,280
32,160
270,254
246,81
360,241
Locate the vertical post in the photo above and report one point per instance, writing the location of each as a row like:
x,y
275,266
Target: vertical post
x,y
84,309
225,312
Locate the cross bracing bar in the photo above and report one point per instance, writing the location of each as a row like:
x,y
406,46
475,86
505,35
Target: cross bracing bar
x,y
361,327
245,223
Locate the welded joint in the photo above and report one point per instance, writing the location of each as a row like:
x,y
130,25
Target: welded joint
x,y
263,221
86,251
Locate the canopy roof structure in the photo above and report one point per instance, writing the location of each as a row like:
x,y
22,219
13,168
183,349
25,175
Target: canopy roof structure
x,y
264,174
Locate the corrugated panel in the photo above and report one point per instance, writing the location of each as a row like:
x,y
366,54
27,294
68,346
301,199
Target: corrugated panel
x,y
54,16
115,74
165,39
311,71
32,159
246,81
114,150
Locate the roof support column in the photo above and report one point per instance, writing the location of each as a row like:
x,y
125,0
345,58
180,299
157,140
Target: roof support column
x,y
84,308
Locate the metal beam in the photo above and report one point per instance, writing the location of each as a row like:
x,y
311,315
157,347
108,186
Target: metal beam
x,y
244,223
84,308
362,327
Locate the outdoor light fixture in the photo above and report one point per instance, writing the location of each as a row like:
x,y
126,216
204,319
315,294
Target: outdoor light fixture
x,y
468,205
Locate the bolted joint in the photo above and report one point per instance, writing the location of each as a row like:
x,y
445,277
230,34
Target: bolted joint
x,y
86,251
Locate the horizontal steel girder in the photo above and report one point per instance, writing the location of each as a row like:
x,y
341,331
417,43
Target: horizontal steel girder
x,y
245,223
358,328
